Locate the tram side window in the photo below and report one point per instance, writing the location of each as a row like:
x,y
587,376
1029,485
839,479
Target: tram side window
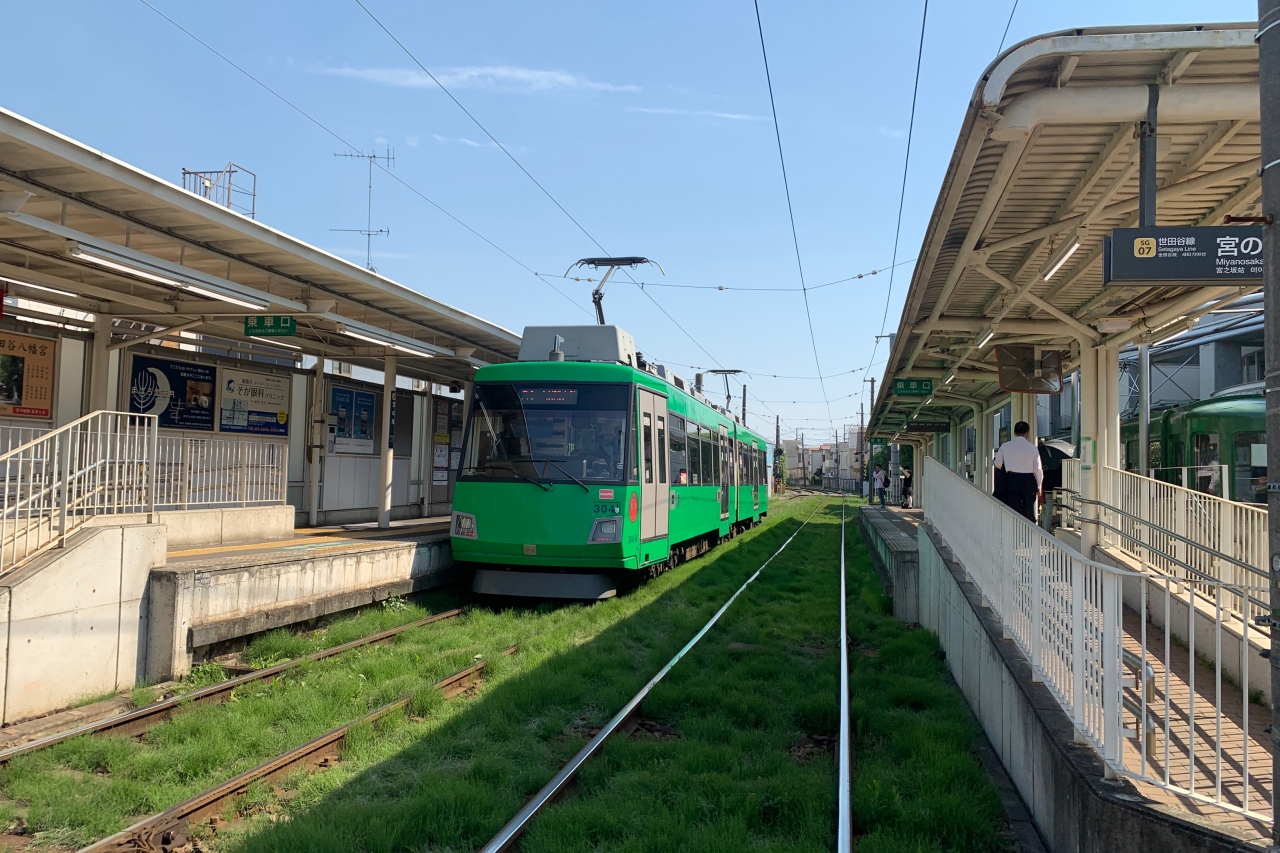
x,y
648,448
1131,455
708,456
717,468
1250,468
679,456
1153,455
1208,463
695,454
662,449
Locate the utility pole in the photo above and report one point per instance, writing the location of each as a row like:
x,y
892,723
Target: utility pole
x,y
1269,92
1146,218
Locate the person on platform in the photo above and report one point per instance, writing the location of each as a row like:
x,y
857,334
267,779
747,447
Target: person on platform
x,y
1023,472
906,488
878,480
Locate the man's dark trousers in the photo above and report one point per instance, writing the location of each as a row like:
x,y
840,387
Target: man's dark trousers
x,y
1020,494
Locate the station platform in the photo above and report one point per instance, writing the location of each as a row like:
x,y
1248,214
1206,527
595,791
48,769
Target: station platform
x,y
1219,741
205,600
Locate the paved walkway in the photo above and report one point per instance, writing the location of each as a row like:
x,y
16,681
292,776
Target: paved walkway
x,y
311,539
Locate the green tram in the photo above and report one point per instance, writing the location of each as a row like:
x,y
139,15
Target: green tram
x,y
1188,445
585,469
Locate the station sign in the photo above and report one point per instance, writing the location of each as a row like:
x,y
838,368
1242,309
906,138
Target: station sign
x,y
878,442
270,326
1190,255
927,426
913,387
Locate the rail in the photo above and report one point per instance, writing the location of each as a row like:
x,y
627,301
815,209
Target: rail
x,y
97,465
208,472
1129,693
13,437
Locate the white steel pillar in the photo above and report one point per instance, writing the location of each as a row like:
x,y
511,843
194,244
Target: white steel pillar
x,y
317,433
1089,456
99,365
1109,381
388,431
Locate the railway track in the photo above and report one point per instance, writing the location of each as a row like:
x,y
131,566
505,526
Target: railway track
x,y
140,720
627,719
170,829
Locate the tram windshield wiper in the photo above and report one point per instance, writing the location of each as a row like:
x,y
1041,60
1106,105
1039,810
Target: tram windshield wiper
x,y
546,487
546,462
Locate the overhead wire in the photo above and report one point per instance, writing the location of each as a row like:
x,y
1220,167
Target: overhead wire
x,y
795,237
902,194
1000,49
315,121
730,287
530,176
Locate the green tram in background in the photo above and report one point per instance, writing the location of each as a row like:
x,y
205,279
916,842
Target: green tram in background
x,y
585,469
1189,443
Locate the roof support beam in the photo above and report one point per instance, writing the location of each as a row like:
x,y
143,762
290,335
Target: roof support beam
x,y
1084,333
995,195
1222,176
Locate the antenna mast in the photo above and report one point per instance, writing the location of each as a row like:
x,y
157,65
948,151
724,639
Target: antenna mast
x,y
368,231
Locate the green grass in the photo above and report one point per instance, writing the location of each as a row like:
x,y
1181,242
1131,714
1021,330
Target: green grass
x,y
446,775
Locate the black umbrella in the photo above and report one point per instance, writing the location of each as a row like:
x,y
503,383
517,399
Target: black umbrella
x,y
1053,451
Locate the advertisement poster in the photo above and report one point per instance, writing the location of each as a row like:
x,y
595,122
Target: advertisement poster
x,y
439,476
254,403
26,376
441,456
179,393
455,457
354,413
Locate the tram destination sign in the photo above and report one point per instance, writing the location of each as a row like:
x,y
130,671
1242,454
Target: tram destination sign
x,y
913,387
1183,255
270,326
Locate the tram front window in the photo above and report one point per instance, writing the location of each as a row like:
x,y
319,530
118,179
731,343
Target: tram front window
x,y
1250,467
547,432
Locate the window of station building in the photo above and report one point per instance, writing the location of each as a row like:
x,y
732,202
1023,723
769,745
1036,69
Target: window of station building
x,y
1207,474
1253,364
679,453
1250,467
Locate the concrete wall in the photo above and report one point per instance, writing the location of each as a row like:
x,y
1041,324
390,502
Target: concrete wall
x,y
196,528
1073,806
75,619
195,606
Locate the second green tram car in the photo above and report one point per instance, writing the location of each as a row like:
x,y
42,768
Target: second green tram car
x,y
585,469
1188,444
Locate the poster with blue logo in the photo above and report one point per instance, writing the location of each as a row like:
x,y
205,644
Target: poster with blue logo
x,y
354,415
180,394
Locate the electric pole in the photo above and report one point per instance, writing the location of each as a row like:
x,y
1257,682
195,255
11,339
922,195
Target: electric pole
x,y
1269,92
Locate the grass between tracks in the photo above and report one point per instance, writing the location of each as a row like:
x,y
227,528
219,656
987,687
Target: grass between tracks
x,y
741,757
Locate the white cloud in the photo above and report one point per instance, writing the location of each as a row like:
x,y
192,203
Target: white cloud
x,y
462,140
412,142
891,133
502,78
667,111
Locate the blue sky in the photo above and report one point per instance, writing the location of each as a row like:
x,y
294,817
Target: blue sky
x,y
648,121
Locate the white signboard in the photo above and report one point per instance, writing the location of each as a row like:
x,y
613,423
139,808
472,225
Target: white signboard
x,y
253,403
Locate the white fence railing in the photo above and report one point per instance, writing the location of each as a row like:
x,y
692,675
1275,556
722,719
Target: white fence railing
x,y
12,437
97,465
1131,694
207,472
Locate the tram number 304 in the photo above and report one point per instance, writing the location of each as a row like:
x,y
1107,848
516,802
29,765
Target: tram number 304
x,y
608,509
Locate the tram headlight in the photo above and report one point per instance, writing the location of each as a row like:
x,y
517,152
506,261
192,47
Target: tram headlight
x,y
606,530
464,525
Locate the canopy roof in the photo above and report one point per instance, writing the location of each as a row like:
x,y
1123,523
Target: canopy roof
x,y
1045,166
114,241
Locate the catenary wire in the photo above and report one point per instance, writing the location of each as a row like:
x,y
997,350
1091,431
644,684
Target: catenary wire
x,y
530,176
906,169
338,137
590,280
786,185
1006,28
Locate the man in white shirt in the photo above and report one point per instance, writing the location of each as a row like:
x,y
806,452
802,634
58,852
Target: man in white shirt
x,y
1023,472
878,479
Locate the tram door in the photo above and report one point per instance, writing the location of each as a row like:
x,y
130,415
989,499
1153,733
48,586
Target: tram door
x,y
726,472
655,485
756,455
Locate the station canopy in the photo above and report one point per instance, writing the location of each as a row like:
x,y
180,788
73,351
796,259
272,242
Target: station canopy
x,y
85,238
1046,165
